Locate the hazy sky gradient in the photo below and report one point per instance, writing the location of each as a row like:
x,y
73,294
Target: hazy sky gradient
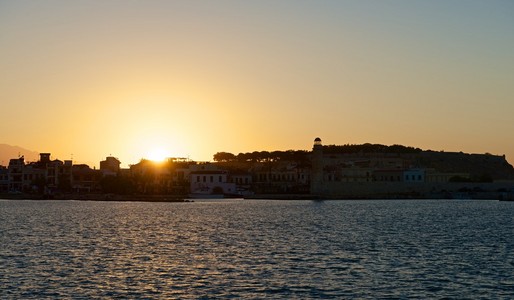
x,y
93,78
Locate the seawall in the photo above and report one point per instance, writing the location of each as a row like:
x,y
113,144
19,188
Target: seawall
x,y
396,190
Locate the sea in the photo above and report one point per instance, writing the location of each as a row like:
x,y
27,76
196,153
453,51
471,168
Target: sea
x,y
257,249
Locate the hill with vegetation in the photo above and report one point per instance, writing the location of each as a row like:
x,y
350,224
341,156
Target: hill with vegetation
x,y
480,167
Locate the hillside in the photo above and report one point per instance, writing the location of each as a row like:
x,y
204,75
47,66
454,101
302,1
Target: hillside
x,y
478,166
8,152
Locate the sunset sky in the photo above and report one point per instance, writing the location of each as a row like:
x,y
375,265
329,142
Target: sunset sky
x,y
191,78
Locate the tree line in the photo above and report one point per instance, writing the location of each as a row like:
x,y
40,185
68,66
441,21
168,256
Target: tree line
x,y
300,155
263,156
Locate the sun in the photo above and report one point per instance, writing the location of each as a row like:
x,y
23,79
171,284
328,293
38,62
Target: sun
x,y
157,154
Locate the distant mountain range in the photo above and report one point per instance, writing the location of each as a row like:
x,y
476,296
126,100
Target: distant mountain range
x,y
8,152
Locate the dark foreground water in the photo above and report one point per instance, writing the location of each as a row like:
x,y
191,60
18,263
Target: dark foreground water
x,y
257,249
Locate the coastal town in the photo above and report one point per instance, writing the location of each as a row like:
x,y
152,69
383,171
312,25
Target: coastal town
x,y
327,172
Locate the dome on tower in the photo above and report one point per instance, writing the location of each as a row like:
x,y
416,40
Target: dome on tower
x,y
317,141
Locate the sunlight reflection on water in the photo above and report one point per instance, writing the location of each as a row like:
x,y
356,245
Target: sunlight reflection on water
x,y
257,249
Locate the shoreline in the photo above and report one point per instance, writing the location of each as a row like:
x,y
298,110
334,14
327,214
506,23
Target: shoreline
x,y
98,197
184,198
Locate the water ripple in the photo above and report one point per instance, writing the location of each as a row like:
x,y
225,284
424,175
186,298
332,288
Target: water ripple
x,y
256,249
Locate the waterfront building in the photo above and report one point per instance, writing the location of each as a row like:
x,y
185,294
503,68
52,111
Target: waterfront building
x,y
15,174
33,178
377,171
4,179
355,173
280,177
414,175
317,176
85,179
393,175
208,182
243,182
168,177
348,171
110,166
433,176
150,177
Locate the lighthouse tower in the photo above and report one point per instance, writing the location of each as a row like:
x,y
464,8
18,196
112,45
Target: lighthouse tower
x,y
317,168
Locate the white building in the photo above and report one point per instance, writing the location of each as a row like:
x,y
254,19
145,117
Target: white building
x,y
210,182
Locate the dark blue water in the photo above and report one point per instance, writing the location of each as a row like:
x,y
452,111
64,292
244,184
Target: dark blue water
x,y
257,249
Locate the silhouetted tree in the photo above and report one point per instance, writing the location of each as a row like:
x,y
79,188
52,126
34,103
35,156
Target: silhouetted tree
x,y
266,156
243,157
224,157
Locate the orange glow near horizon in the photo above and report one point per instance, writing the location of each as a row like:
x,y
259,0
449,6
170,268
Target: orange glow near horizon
x,y
157,154
88,79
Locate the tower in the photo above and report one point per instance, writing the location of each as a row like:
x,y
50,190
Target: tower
x,y
44,157
317,168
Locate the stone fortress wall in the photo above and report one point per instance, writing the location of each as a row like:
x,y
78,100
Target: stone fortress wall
x,y
325,185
